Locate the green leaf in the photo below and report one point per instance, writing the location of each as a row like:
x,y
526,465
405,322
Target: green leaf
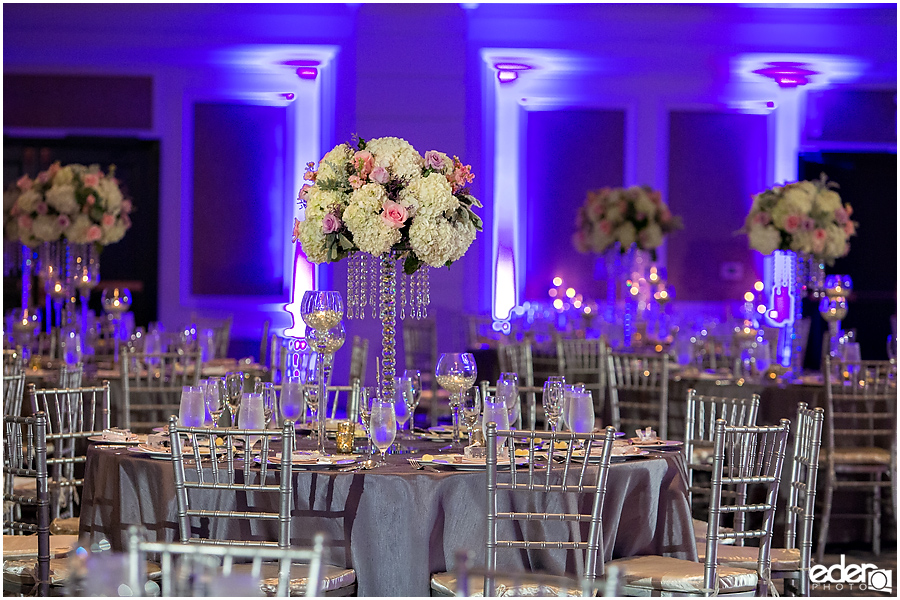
x,y
411,264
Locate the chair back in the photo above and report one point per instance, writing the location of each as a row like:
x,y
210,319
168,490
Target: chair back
x,y
565,497
644,379
861,404
217,562
13,362
701,415
73,415
584,361
221,329
519,359
260,482
801,503
13,393
420,353
749,457
152,385
359,359
70,376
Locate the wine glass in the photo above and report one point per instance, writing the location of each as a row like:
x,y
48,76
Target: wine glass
x,y
508,391
382,427
115,302
402,394
415,377
456,372
552,399
471,409
311,398
234,386
366,396
495,412
321,310
266,389
215,398
292,407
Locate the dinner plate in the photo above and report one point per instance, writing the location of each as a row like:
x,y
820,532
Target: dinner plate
x,y
163,452
311,461
658,444
458,462
139,438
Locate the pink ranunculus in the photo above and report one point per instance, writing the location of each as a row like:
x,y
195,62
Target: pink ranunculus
x,y
331,223
94,233
108,220
380,175
90,200
25,222
91,179
24,183
394,214
792,223
356,181
364,162
41,208
64,221
434,160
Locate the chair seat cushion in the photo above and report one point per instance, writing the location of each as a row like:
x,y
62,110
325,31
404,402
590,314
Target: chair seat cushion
x,y
666,574
867,456
25,546
745,557
446,584
700,529
336,578
62,526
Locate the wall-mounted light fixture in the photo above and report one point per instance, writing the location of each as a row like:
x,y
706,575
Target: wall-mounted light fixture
x,y
787,74
508,72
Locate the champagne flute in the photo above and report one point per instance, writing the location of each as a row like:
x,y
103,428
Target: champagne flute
x,y
382,427
508,391
234,386
415,377
266,390
471,410
321,310
367,395
311,399
215,397
552,399
456,372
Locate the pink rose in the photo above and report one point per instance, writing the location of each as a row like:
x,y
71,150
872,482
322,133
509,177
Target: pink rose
x,y
94,233
41,208
25,222
818,241
43,177
364,162
108,220
64,221
380,175
91,179
434,160
849,228
792,223
24,183
761,218
394,214
53,169
90,200
330,223
606,227
127,207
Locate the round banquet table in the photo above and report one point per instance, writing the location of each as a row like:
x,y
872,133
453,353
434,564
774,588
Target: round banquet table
x,y
394,525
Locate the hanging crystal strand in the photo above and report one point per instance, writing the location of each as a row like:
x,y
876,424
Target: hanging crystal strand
x,y
426,290
372,270
388,326
351,287
418,296
404,281
362,288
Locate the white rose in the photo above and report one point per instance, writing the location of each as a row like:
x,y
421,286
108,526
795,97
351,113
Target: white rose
x,y
62,198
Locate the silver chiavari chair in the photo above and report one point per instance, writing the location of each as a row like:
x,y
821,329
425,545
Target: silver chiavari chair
x,y
793,561
751,456
860,439
74,414
701,415
241,473
644,379
151,384
70,376
549,506
584,361
519,358
202,570
13,393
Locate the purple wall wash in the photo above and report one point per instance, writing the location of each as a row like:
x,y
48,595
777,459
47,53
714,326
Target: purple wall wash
x,y
567,153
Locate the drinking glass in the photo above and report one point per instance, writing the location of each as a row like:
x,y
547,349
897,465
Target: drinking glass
x,y
252,415
215,398
471,410
508,391
552,399
366,396
266,390
234,386
456,372
415,378
321,310
292,406
569,389
402,399
495,412
192,408
580,417
382,426
311,399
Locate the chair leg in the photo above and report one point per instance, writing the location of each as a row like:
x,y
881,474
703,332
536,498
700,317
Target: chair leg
x,y
876,517
826,515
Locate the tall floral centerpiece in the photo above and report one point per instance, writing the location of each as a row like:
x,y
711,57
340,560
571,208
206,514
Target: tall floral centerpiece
x,y
379,202
808,221
625,225
67,213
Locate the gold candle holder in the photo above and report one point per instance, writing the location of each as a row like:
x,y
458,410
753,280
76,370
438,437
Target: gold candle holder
x,y
346,430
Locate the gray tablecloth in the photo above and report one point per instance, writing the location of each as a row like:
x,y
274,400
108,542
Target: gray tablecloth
x,y
394,525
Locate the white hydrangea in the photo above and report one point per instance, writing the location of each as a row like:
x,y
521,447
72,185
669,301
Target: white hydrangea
x,y
64,175
433,195
319,202
77,230
62,198
797,199
397,156
370,233
333,165
10,196
643,204
802,241
435,240
764,239
835,242
113,233
651,236
109,191
28,201
47,228
827,201
626,233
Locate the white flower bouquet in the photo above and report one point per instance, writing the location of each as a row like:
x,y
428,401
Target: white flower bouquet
x,y
634,215
804,217
381,196
76,203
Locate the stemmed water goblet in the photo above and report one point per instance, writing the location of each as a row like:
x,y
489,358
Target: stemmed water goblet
x,y
471,410
580,412
234,386
456,372
508,392
321,310
382,427
291,405
266,389
402,394
215,397
552,399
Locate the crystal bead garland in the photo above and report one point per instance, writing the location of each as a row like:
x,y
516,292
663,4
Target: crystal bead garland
x,y
388,326
800,278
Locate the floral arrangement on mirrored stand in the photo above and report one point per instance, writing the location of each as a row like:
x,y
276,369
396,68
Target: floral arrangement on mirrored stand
x,y
61,219
626,225
380,204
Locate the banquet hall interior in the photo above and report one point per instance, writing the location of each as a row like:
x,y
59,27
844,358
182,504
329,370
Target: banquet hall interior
x,y
617,175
